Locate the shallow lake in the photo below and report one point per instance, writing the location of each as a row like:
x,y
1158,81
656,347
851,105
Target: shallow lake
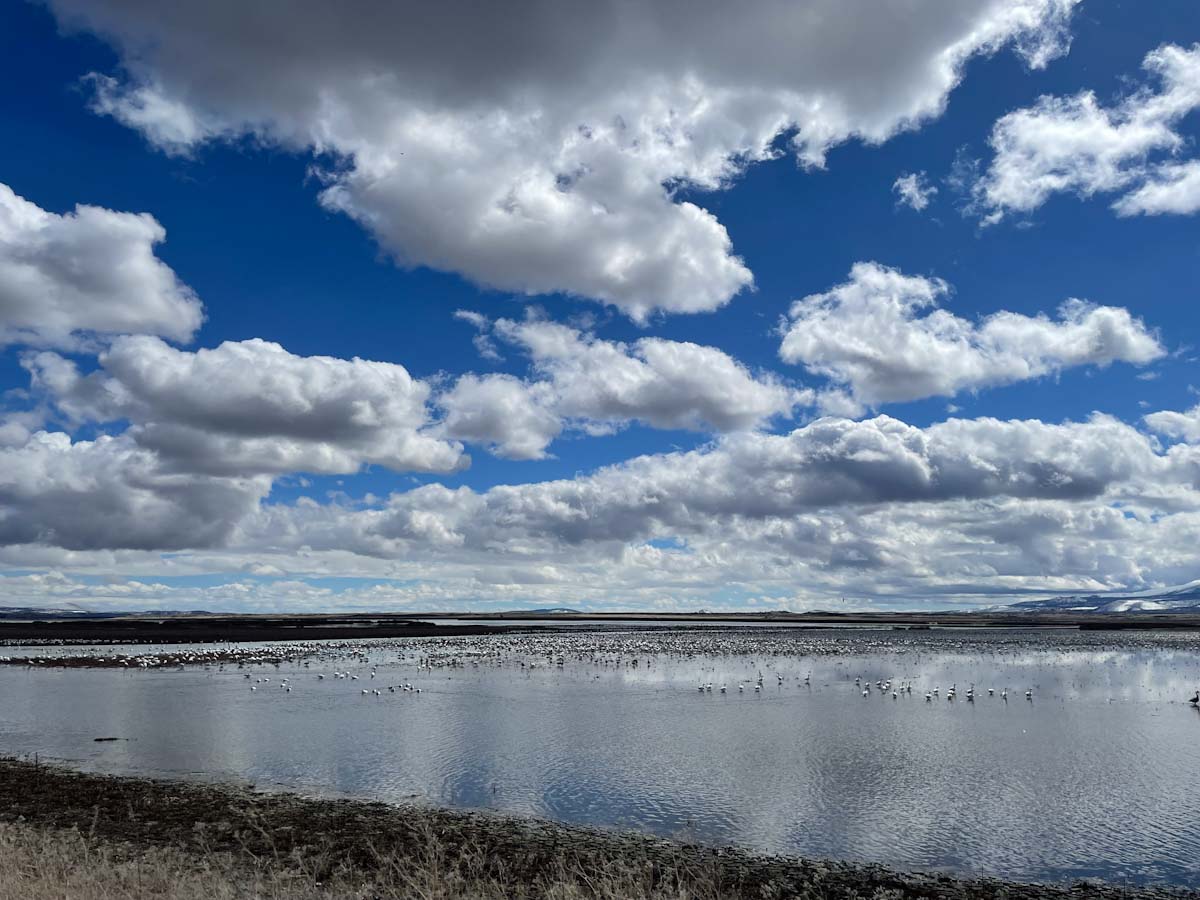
x,y
1094,776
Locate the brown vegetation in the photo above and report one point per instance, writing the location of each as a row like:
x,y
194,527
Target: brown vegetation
x,y
51,864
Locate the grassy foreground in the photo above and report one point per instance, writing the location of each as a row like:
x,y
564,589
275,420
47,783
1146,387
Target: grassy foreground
x,y
73,836
39,863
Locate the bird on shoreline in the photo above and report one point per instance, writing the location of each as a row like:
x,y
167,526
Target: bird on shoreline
x,y
1195,700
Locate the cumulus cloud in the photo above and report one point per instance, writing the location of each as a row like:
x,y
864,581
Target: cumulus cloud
x,y
544,152
1077,145
512,417
87,272
828,464
585,383
1169,188
253,407
972,507
913,190
878,508
111,494
1181,425
880,338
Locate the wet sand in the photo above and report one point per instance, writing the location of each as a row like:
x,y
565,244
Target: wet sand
x,y
207,818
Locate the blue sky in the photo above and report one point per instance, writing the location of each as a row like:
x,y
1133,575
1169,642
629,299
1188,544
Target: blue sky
x,y
185,119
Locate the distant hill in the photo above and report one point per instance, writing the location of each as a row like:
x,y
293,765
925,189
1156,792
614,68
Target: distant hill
x,y
548,611
1185,598
34,613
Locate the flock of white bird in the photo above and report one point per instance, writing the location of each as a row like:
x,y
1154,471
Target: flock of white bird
x,y
886,687
603,651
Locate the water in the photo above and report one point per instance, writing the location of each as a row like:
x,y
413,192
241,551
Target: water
x,y
1092,778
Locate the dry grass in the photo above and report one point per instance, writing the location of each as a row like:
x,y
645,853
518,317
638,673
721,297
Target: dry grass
x,y
38,863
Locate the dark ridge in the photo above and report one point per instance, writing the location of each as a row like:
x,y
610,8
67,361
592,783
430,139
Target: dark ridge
x,y
140,629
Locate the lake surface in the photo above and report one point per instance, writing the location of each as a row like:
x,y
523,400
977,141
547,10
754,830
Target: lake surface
x,y
1095,776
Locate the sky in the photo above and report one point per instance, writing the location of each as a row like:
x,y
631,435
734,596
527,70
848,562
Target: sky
x,y
605,305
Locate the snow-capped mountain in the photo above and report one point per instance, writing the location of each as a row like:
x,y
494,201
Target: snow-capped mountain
x,y
1184,598
39,612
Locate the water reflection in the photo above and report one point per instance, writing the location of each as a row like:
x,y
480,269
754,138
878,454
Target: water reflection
x,y
1089,778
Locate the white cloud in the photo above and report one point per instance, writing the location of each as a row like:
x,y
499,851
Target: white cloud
x,y
1182,425
251,406
484,345
512,417
168,123
965,510
1075,144
826,470
913,190
541,153
584,383
826,465
879,338
91,271
110,493
967,507
1169,188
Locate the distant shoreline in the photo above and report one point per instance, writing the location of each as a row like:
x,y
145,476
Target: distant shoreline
x,y
348,838
189,629
1054,619
205,628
